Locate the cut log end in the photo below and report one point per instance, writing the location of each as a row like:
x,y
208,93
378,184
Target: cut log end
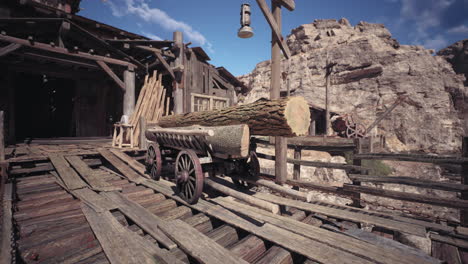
x,y
297,114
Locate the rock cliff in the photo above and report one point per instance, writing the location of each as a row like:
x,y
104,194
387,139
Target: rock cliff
x,y
370,71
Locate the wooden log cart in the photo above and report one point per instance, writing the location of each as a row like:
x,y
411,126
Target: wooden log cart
x,y
218,141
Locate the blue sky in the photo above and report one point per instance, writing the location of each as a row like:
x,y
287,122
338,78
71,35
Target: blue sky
x,y
213,24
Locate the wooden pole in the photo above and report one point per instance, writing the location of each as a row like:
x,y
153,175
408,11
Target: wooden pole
x,y
143,141
129,96
464,178
178,83
357,162
275,86
2,138
327,99
297,167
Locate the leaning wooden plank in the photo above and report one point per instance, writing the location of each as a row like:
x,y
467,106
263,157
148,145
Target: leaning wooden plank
x,y
413,158
7,225
445,186
69,177
346,215
274,208
289,240
97,202
90,176
412,197
121,166
278,188
140,168
199,246
342,242
114,242
142,217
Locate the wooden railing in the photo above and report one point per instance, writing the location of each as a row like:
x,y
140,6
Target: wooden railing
x,y
358,174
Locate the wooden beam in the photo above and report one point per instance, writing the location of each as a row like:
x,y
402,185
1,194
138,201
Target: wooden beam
x,y
9,48
59,50
289,4
165,64
2,140
7,224
411,197
445,186
274,27
114,77
464,181
69,177
58,60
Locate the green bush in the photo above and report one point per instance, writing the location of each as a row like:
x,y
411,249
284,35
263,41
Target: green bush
x,y
376,167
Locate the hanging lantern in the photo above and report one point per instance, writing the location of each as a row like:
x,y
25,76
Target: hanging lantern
x,y
245,31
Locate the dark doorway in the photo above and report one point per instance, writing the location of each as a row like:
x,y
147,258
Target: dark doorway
x,y
44,106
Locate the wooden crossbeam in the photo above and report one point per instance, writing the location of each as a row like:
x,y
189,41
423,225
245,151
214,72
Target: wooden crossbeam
x,y
165,64
274,27
9,49
289,4
59,50
114,77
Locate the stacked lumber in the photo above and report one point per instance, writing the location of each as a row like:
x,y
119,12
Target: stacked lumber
x,y
151,104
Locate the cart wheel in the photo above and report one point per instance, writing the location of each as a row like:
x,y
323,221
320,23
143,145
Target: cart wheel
x,y
189,176
154,162
251,169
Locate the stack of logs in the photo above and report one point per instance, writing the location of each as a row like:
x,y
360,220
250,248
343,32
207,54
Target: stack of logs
x,y
152,104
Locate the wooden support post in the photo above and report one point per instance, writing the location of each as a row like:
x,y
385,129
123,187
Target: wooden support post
x,y
312,127
329,68
129,96
464,178
281,147
2,138
297,167
11,107
143,142
178,83
357,162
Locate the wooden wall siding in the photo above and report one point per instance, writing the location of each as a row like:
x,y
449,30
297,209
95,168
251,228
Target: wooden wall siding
x,y
202,79
90,109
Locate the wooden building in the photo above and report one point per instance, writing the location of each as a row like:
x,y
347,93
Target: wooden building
x,y
65,75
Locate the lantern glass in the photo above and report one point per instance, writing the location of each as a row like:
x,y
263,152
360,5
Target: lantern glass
x,y
245,31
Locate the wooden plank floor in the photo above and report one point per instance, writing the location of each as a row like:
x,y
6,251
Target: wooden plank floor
x,y
52,227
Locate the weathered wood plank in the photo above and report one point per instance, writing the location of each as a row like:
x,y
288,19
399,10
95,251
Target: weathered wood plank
x,y
346,215
289,240
413,158
69,177
342,242
462,243
7,225
90,175
97,202
142,217
200,246
412,197
114,241
140,168
274,208
446,186
121,166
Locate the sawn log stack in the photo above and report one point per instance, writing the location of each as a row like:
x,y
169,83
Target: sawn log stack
x,y
286,117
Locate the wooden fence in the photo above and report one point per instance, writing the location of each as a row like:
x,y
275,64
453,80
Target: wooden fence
x,y
358,174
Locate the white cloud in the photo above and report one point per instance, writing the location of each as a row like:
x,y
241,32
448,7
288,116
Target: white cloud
x,y
157,16
437,43
150,35
461,29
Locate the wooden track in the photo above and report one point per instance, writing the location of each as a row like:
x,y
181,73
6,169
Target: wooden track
x,y
141,220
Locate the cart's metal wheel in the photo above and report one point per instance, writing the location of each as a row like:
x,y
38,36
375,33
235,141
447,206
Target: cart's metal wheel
x,y
154,161
189,176
251,169
356,131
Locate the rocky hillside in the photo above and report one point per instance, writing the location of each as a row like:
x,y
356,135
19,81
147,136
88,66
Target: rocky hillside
x,y
371,70
457,55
